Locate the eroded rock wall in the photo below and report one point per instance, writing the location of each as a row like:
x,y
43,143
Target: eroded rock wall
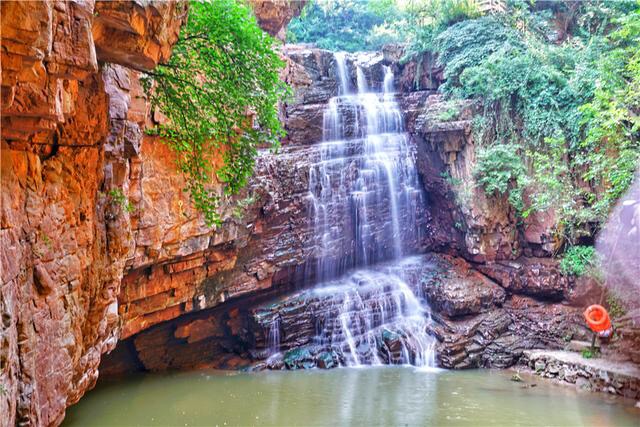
x,y
69,124
98,239
492,298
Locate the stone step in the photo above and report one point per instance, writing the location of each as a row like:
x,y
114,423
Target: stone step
x,y
599,374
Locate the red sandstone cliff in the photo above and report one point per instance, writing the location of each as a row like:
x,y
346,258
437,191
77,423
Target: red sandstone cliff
x,y
90,205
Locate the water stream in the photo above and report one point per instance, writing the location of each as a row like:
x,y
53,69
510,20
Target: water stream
x,y
365,190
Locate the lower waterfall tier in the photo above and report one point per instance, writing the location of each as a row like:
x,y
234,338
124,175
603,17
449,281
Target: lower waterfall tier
x,y
370,316
407,311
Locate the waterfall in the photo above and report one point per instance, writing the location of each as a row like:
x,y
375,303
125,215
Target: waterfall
x,y
341,64
373,317
273,337
364,188
364,193
362,81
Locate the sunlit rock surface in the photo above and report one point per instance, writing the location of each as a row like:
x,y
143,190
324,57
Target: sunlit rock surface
x,y
274,15
80,269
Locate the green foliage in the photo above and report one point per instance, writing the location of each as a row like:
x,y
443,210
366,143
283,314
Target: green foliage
x,y
611,146
219,91
241,207
46,239
118,197
450,113
616,309
347,25
426,19
569,108
579,260
588,353
500,171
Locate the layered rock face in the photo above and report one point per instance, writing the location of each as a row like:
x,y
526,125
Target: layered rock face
x,y
274,15
490,300
69,126
98,239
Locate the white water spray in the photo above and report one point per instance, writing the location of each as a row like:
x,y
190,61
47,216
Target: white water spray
x,y
364,193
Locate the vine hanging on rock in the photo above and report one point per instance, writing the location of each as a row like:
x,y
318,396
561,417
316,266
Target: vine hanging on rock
x,y
219,92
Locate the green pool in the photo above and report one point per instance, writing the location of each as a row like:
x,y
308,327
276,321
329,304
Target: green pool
x,y
398,396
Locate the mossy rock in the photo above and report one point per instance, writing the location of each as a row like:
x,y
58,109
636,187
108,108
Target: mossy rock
x,y
299,358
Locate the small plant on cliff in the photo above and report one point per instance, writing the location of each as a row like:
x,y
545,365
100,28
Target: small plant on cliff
x,y
46,239
579,260
450,113
616,308
219,91
242,206
118,197
500,171
588,353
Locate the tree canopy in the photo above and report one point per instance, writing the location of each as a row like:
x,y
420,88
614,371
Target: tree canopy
x,y
219,92
347,25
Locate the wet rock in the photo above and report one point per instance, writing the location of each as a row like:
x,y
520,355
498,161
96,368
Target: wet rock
x,y
539,277
393,52
455,289
497,338
621,378
299,358
326,360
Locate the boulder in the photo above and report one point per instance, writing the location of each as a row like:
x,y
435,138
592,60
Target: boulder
x,y
457,290
274,15
538,277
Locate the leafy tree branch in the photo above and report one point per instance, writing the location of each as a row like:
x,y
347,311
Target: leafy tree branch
x,y
220,92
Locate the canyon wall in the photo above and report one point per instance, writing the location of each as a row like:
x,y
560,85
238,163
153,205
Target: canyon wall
x,y
92,207
100,244
494,291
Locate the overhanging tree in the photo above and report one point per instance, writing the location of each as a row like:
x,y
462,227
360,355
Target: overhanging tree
x,y
219,92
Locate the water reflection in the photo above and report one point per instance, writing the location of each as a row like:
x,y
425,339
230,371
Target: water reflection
x,y
369,396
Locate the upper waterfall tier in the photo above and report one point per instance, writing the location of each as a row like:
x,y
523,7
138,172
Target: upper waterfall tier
x,y
364,187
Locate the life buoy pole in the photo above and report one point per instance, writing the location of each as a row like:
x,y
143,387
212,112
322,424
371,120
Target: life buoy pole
x,y
598,321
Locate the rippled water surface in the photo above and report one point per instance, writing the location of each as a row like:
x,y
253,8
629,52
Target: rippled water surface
x,y
402,396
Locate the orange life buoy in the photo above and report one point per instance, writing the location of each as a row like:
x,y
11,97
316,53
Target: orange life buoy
x,y
597,318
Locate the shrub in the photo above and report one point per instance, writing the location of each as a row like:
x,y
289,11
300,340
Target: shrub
x,y
588,353
450,113
118,197
347,25
578,260
220,91
570,106
500,171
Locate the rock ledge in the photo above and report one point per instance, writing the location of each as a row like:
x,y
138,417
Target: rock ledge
x,y
621,378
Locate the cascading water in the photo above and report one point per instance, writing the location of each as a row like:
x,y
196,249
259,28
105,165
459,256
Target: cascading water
x,y
373,317
364,193
364,188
